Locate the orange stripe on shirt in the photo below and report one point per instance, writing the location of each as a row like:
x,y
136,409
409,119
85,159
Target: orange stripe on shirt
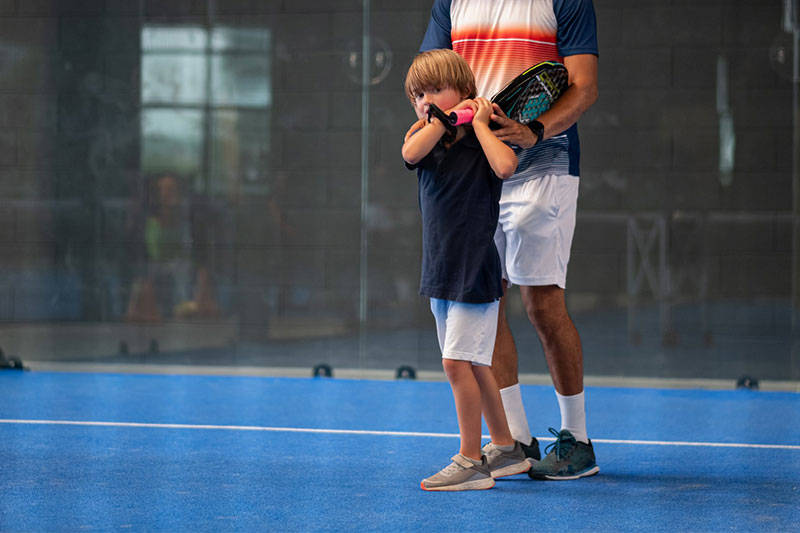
x,y
495,63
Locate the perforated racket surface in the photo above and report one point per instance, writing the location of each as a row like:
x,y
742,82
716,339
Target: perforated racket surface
x,y
533,92
527,96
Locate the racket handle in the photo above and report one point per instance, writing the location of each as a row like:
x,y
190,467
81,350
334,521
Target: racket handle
x,y
462,116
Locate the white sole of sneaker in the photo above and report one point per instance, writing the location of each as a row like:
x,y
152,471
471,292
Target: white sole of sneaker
x,y
592,471
478,484
512,470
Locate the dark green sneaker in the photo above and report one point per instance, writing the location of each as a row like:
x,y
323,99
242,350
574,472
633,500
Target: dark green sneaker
x,y
532,450
566,459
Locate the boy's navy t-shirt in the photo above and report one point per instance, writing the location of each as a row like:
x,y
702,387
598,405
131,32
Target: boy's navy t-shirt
x,y
459,197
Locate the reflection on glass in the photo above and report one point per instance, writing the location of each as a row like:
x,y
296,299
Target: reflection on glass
x,y
254,39
206,95
240,152
240,80
160,38
173,78
172,141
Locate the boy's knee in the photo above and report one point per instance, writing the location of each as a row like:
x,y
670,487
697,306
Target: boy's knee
x,y
454,368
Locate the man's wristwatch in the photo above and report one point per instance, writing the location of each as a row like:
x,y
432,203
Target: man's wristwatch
x,y
537,128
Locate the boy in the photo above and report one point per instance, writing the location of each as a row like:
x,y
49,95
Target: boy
x,y
459,192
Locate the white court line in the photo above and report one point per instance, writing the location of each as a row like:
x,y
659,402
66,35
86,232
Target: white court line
x,y
371,432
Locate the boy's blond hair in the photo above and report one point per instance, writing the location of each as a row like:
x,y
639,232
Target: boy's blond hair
x,y
441,68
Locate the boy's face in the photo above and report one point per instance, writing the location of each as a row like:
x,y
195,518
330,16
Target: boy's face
x,y
443,98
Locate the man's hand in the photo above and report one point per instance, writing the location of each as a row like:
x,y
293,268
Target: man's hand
x,y
511,131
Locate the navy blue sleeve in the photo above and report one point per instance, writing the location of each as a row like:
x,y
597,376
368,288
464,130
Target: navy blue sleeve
x,y
577,27
438,33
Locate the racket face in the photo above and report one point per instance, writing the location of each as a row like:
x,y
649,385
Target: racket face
x,y
533,92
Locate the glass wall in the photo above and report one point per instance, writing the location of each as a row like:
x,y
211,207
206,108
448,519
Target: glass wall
x,y
219,184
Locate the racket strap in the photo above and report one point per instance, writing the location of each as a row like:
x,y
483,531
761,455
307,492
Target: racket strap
x,y
450,133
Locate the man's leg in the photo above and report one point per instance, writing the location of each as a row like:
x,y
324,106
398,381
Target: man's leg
x,y
574,456
504,359
504,368
547,311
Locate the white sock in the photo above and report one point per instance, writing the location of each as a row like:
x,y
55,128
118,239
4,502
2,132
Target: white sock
x,y
573,416
515,413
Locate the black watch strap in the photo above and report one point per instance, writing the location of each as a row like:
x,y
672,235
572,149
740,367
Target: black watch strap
x,y
537,128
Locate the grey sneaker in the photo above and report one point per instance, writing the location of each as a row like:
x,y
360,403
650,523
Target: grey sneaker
x,y
566,459
461,474
502,463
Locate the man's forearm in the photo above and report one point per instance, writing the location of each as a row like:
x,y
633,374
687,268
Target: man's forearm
x,y
576,100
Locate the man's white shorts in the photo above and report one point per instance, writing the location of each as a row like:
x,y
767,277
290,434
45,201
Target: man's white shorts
x,y
466,331
534,233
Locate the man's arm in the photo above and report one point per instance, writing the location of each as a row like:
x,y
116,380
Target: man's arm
x,y
579,97
438,33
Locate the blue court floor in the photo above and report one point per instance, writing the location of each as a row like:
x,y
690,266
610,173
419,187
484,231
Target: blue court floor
x,y
106,452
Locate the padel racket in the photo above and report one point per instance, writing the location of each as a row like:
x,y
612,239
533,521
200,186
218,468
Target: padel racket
x,y
528,95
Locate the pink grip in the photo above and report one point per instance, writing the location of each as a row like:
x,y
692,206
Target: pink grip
x,y
462,116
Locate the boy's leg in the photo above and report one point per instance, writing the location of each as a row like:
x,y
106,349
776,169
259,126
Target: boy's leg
x,y
468,470
466,336
467,396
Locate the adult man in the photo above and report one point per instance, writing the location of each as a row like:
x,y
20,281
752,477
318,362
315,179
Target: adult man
x,y
500,39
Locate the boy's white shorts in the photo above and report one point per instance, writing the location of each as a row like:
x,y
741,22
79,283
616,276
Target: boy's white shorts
x,y
535,229
466,331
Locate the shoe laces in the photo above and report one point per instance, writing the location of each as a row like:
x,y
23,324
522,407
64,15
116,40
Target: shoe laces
x,y
563,444
451,469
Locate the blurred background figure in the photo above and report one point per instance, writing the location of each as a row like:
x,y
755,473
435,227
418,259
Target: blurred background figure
x,y
172,286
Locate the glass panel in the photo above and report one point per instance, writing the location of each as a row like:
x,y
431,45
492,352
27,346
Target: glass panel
x,y
240,153
293,230
241,80
184,37
250,39
172,141
173,78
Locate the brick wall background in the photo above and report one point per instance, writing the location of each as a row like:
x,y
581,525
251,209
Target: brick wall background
x,y
70,173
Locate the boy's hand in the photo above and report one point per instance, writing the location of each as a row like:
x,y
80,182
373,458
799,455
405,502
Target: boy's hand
x,y
483,111
463,104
